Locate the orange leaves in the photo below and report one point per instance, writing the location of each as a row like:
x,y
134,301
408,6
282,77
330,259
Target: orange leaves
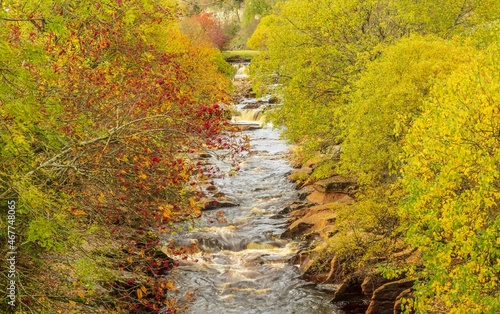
x,y
166,210
108,104
141,291
169,285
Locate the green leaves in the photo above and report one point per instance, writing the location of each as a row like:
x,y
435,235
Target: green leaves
x,y
100,102
410,91
388,98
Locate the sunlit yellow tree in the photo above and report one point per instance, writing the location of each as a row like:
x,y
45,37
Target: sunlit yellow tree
x,y
451,176
312,51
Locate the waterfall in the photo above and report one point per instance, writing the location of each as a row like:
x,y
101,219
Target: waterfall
x,y
241,69
249,116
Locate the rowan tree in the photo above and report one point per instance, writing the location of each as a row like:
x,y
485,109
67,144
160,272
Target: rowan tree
x,y
102,105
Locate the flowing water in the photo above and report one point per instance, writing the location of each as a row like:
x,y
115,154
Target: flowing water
x,y
243,265
247,269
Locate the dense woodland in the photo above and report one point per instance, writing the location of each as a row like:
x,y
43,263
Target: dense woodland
x,y
104,103
101,105
410,91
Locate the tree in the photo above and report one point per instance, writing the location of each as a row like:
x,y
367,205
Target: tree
x,y
388,97
354,73
312,50
205,26
101,104
450,174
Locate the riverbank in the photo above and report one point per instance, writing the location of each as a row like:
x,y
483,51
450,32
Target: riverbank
x,y
326,206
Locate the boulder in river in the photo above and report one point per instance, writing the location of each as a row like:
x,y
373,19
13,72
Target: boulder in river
x,y
214,203
254,105
247,126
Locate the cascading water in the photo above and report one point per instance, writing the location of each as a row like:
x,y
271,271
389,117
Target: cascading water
x,y
240,70
249,116
240,264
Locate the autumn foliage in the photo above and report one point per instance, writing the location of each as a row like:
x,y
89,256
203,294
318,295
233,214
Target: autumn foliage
x,y
102,105
407,92
205,26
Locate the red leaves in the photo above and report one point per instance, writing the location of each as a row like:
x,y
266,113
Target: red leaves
x,y
212,28
128,112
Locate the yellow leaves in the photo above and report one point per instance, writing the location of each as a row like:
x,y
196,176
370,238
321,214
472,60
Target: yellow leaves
x,y
100,198
166,210
79,212
169,285
192,202
170,302
141,291
450,211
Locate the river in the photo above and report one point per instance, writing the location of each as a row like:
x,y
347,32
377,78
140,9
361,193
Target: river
x,y
244,265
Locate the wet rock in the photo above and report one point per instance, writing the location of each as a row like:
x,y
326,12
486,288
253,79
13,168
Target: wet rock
x,y
349,290
349,297
298,228
327,287
277,216
221,196
295,205
274,100
302,260
259,189
305,264
254,105
210,203
247,126
212,188
384,297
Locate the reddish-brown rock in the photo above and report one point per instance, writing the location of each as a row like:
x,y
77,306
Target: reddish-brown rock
x,y
371,283
335,184
349,290
384,297
321,198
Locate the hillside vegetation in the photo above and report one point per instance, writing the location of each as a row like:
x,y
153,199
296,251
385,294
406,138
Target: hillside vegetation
x,y
410,90
102,106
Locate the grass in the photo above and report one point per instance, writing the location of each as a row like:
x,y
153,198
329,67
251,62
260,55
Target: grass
x,y
233,55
